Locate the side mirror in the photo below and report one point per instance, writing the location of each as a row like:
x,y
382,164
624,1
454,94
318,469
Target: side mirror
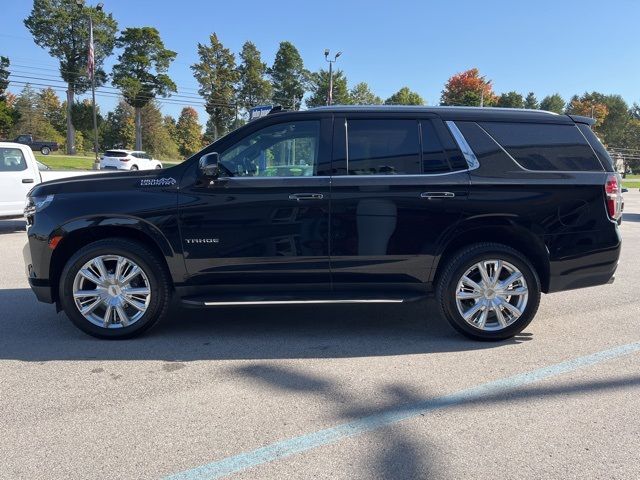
x,y
209,165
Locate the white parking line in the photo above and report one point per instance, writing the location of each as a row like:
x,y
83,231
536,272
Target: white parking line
x,y
286,448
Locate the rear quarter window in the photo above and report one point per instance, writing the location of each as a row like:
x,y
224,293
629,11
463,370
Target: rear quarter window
x,y
111,153
541,146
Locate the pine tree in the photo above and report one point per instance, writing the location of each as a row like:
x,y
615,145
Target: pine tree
x,y
217,75
510,100
531,102
141,73
253,88
553,103
289,77
361,94
319,82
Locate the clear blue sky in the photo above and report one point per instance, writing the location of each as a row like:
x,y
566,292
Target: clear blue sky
x,y
544,46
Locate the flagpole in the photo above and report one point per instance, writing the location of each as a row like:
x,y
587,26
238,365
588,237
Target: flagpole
x,y
96,164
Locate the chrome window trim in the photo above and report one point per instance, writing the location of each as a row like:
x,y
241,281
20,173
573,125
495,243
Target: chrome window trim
x,y
464,146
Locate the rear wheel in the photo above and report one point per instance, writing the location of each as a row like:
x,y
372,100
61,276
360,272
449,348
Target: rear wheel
x,y
45,150
158,167
134,167
114,288
489,292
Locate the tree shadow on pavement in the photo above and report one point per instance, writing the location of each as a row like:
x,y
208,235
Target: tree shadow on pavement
x,y
402,453
32,331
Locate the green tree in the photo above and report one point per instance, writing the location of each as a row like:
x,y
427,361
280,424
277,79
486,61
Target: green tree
x,y
119,130
468,88
404,96
4,75
188,132
319,82
31,118
8,115
289,77
170,126
531,102
155,137
141,73
553,103
49,104
62,28
617,120
361,94
217,75
510,100
253,89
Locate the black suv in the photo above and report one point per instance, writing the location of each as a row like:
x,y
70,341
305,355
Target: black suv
x,y
486,208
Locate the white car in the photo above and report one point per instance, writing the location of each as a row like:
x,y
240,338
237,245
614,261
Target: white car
x,y
128,160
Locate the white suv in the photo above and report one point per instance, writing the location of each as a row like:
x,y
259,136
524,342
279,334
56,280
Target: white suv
x,y
128,160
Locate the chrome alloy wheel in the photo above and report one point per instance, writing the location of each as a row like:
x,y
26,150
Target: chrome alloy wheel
x,y
111,291
491,295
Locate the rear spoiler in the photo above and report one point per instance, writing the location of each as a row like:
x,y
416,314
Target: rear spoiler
x,y
580,119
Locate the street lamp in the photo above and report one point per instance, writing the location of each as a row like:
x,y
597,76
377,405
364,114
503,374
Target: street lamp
x,y
91,70
331,62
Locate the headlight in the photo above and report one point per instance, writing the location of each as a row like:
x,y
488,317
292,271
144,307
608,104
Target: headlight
x,y
37,204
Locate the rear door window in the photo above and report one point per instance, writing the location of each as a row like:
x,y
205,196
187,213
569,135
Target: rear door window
x,y
383,147
540,146
434,159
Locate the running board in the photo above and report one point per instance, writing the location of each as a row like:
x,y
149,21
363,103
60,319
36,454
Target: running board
x,y
302,302
249,300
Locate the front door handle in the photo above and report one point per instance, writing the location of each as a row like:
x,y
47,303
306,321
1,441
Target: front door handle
x,y
430,195
27,180
305,196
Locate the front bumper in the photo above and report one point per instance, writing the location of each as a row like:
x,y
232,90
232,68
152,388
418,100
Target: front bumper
x,y
40,286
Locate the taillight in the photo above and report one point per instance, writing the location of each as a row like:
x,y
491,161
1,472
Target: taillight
x,y
613,196
125,159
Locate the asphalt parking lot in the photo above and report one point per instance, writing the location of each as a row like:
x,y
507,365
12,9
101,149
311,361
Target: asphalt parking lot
x,y
332,393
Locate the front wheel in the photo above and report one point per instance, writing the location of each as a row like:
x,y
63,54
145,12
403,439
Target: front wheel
x,y
45,150
489,291
114,288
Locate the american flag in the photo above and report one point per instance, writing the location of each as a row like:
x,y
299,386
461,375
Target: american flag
x,y
91,64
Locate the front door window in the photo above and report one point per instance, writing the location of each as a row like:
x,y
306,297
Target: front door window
x,y
283,150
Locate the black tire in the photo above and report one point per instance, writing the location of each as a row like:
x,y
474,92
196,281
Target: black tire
x,y
45,150
159,284
158,167
133,167
463,260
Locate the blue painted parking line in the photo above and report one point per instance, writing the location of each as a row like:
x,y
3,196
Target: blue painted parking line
x,y
286,448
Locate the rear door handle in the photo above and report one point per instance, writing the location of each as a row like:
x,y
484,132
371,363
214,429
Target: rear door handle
x,y
27,180
430,195
306,196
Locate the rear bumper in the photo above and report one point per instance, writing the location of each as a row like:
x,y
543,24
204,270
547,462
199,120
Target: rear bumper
x,y
587,270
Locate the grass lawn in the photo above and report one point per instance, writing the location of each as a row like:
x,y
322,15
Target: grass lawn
x,y
632,181
66,162
74,162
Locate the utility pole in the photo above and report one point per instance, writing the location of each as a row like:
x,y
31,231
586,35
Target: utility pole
x,y
331,62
